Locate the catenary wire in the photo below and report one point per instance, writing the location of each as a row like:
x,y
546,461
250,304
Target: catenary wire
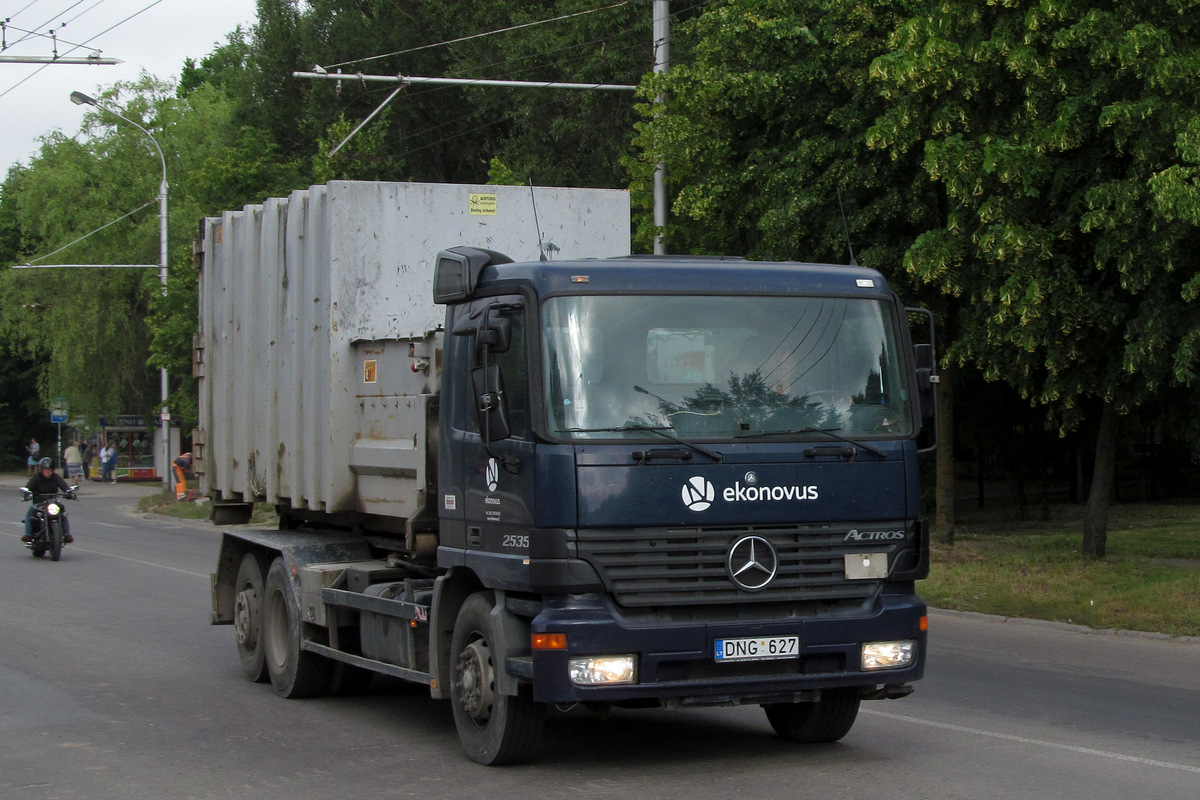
x,y
85,42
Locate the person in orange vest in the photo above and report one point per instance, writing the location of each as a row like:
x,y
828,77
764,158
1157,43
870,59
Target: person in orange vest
x,y
183,465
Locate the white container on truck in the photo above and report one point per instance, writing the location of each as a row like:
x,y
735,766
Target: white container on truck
x,y
516,464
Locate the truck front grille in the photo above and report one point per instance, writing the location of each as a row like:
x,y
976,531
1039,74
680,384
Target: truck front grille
x,y
656,567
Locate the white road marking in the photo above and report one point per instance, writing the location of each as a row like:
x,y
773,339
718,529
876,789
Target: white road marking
x,y
1088,751
78,549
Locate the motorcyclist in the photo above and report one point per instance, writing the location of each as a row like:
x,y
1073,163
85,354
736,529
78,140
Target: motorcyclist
x,y
47,481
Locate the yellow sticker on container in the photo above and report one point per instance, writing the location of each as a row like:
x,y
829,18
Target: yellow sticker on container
x,y
370,372
483,205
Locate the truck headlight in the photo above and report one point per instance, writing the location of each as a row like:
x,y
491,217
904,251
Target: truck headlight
x,y
602,670
888,655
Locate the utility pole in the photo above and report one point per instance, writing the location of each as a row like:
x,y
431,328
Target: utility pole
x,y
662,62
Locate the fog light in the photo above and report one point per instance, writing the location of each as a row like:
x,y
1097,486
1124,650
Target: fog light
x,y
888,655
602,670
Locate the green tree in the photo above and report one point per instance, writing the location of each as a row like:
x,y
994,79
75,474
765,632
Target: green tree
x,y
1059,132
764,136
443,133
763,132
103,334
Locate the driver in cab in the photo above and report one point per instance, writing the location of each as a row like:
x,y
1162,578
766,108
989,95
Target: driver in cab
x,y
47,481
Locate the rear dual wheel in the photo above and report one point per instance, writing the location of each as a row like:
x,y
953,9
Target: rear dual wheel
x,y
249,601
294,672
249,591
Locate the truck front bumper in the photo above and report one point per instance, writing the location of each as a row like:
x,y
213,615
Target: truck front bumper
x,y
675,662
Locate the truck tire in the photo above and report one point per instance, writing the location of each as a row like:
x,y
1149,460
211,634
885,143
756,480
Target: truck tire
x,y
294,672
249,592
825,720
493,728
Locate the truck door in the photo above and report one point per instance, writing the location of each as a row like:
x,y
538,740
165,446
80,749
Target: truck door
x,y
487,461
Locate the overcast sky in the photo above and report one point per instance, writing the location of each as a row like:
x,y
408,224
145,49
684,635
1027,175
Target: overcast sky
x,y
35,99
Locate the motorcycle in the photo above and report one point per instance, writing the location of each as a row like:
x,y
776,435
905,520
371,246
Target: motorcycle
x,y
46,531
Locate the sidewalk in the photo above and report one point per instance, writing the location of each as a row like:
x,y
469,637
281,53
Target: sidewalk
x,y
134,490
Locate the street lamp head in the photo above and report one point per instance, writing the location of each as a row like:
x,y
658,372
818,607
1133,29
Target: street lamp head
x,y
80,99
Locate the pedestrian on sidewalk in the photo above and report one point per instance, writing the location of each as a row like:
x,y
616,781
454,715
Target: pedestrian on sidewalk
x,y
74,459
31,452
108,463
183,465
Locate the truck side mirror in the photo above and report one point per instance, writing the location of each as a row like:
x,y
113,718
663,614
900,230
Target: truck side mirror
x,y
925,369
456,272
493,331
927,379
497,336
491,407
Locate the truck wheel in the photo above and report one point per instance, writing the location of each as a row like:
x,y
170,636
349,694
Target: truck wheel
x,y
494,728
293,671
249,591
825,720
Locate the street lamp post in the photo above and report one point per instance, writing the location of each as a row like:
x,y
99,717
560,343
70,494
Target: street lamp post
x,y
79,98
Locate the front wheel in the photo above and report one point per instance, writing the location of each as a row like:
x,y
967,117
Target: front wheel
x,y
825,720
294,672
493,728
56,539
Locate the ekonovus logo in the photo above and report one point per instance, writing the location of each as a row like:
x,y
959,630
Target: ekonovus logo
x,y
698,493
493,475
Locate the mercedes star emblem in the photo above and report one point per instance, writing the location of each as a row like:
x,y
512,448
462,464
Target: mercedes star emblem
x,y
752,563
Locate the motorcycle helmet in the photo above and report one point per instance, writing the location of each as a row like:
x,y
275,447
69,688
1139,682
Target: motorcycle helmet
x,y
45,463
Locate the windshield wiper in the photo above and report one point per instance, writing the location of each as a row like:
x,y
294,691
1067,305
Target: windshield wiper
x,y
704,451
830,432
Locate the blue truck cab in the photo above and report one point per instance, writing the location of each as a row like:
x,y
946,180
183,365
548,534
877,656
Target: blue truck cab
x,y
675,481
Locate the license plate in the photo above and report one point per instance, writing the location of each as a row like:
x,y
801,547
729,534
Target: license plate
x,y
759,648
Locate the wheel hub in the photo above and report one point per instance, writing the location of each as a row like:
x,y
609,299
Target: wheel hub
x,y
475,681
245,626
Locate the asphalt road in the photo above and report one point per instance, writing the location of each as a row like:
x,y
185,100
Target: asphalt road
x,y
114,685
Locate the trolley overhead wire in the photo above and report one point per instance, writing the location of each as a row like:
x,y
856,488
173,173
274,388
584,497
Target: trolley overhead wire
x,y
87,41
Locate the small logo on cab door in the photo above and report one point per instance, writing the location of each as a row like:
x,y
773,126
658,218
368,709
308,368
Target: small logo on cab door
x,y
493,475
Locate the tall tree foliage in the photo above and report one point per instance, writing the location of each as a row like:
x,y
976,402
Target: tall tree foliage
x,y
102,334
1060,130
763,132
239,127
441,133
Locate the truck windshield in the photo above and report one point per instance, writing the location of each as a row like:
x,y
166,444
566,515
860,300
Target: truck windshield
x,y
723,368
